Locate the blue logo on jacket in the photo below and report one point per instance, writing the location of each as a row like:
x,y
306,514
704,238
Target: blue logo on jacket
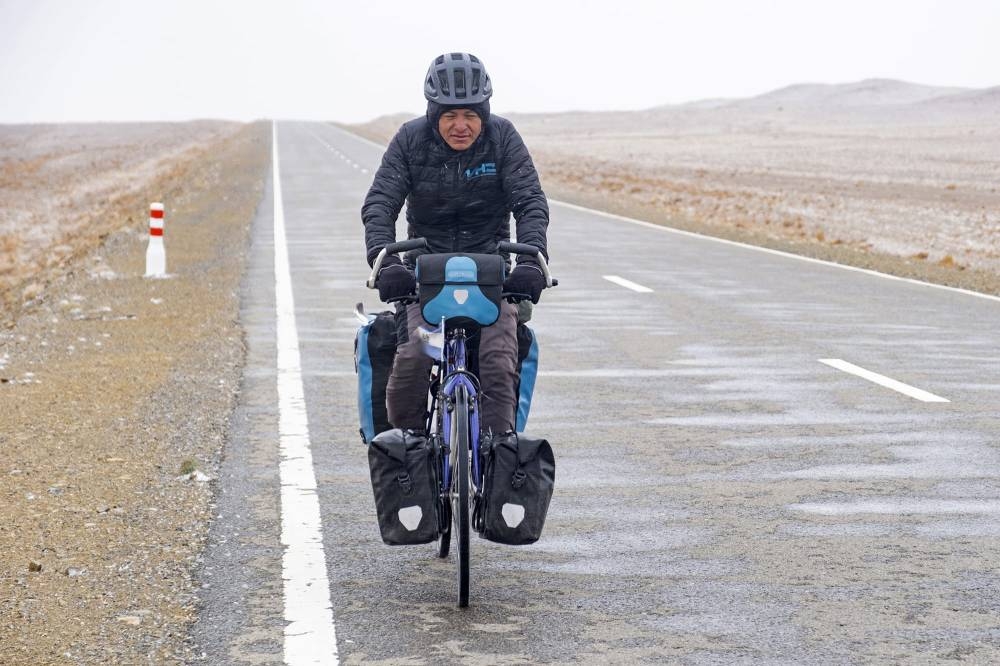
x,y
484,169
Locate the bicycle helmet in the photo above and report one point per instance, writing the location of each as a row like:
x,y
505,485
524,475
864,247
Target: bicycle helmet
x,y
455,79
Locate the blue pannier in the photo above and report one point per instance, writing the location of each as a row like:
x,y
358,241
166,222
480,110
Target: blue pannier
x,y
527,368
374,351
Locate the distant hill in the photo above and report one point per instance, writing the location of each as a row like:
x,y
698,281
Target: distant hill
x,y
867,102
867,93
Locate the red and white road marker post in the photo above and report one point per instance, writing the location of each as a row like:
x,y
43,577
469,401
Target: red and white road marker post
x,y
156,255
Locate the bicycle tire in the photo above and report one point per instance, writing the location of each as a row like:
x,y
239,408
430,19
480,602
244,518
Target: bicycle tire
x,y
460,498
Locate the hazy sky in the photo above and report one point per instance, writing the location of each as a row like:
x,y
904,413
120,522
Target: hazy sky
x,y
81,60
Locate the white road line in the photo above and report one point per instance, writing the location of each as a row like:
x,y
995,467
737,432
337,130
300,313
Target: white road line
x,y
882,380
901,506
628,284
691,234
310,636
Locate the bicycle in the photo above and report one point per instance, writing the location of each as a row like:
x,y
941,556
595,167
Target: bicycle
x,y
453,417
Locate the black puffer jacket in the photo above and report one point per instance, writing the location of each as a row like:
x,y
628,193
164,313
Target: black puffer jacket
x,y
458,201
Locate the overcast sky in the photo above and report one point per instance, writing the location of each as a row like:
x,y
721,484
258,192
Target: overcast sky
x,y
70,60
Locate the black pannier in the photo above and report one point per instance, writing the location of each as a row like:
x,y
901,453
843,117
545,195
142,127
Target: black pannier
x,y
519,476
374,351
464,288
405,482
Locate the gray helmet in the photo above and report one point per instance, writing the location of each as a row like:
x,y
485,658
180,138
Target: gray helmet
x,y
457,78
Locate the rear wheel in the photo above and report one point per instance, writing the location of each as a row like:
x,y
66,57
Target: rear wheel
x,y
460,487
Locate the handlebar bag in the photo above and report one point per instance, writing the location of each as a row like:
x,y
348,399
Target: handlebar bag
x,y
461,288
519,477
405,483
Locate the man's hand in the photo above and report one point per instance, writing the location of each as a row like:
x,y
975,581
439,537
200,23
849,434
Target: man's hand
x,y
527,280
395,280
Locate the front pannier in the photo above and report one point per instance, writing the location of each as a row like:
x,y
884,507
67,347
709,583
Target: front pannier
x,y
519,476
463,288
405,483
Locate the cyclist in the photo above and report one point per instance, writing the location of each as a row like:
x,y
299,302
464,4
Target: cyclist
x,y
461,172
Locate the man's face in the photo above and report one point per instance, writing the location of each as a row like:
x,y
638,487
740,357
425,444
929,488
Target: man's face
x,y
460,127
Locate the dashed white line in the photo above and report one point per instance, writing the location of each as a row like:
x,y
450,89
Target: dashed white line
x,y
310,635
628,284
882,380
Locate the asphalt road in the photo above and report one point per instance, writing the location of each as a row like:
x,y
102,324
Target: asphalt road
x,y
722,496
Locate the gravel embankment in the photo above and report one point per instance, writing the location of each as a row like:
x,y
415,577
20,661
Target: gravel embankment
x,y
116,394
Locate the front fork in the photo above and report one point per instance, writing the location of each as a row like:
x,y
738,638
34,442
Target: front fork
x,y
447,404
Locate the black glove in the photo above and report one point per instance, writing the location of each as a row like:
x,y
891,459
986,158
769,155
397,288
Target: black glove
x,y
395,280
526,280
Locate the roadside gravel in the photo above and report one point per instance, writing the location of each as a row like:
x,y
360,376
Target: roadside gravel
x,y
116,394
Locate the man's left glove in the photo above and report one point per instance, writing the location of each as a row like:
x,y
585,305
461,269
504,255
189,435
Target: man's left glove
x,y
395,280
527,280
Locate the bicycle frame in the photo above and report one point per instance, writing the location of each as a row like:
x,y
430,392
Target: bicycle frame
x,y
453,371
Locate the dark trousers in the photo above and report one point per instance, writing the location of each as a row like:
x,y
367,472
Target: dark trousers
x,y
406,394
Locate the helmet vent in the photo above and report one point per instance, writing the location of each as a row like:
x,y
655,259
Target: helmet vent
x,y
473,58
458,56
439,60
460,83
443,78
475,81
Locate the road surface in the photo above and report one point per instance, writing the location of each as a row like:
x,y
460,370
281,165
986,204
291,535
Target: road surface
x,y
760,459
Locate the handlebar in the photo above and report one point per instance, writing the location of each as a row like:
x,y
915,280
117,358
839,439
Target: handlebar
x,y
421,243
393,248
531,251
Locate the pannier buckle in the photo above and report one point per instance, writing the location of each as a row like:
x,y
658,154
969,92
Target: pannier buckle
x,y
518,480
405,482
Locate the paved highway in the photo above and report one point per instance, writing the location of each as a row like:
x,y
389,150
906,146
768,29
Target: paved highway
x,y
760,459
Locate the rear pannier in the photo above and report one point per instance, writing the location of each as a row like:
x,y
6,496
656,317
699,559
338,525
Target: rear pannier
x,y
463,288
519,477
405,482
374,351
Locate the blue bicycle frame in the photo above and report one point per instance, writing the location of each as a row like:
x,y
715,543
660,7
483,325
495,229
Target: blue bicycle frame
x,y
453,372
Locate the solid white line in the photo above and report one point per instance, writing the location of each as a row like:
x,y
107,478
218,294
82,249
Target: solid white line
x,y
628,284
691,234
882,380
901,506
310,636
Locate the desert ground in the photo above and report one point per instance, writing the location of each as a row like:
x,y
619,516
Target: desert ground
x,y
881,174
65,188
115,390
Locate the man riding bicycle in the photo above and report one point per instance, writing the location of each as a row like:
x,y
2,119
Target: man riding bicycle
x,y
461,172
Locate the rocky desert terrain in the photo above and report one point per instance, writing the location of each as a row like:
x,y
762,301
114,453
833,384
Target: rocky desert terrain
x,y
882,174
65,188
115,390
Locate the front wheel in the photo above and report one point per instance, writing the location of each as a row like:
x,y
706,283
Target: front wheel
x,y
460,487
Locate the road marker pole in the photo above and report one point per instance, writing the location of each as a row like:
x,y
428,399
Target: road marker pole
x,y
156,254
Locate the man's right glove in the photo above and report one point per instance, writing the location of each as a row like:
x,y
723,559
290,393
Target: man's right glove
x,y
526,279
395,280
